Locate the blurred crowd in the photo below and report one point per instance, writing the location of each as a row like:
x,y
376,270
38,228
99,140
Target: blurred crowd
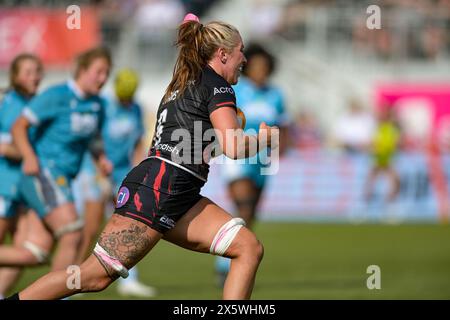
x,y
356,129
409,29
412,29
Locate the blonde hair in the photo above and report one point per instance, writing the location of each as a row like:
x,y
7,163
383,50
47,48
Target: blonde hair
x,y
197,44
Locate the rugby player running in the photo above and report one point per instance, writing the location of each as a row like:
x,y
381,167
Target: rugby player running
x,y
160,198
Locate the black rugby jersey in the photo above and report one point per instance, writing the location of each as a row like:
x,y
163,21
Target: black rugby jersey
x,y
184,133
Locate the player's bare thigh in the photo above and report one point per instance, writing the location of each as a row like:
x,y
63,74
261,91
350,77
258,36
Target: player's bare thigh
x,y
198,227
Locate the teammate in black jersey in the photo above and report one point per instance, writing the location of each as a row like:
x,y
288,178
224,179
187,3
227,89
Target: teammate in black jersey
x,y
160,198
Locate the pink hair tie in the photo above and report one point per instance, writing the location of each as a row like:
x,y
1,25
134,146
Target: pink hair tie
x,y
191,17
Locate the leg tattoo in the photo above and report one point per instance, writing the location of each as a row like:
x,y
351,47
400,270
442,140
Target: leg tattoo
x,y
128,245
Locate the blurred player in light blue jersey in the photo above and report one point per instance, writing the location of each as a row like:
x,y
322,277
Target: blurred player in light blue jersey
x,y
25,77
122,138
260,102
67,118
26,74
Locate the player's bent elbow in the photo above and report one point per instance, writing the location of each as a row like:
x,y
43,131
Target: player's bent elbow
x,y
230,152
231,155
235,152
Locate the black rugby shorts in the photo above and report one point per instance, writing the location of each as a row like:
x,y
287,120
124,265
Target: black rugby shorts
x,y
158,194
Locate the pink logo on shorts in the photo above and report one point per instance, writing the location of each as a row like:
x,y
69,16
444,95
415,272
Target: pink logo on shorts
x,y
122,197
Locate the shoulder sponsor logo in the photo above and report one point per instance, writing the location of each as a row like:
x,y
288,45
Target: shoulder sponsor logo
x,y
223,90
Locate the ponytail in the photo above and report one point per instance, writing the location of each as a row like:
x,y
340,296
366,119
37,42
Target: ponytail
x,y
197,44
191,59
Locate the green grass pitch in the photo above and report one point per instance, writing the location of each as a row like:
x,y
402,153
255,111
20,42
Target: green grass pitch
x,y
311,261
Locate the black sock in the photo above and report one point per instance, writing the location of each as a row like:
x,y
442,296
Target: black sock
x,y
15,296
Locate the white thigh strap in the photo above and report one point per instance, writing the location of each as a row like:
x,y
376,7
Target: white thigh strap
x,y
225,236
71,227
40,255
110,261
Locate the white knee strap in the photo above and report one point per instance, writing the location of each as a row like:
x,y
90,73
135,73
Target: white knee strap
x,y
110,261
225,236
71,227
40,254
